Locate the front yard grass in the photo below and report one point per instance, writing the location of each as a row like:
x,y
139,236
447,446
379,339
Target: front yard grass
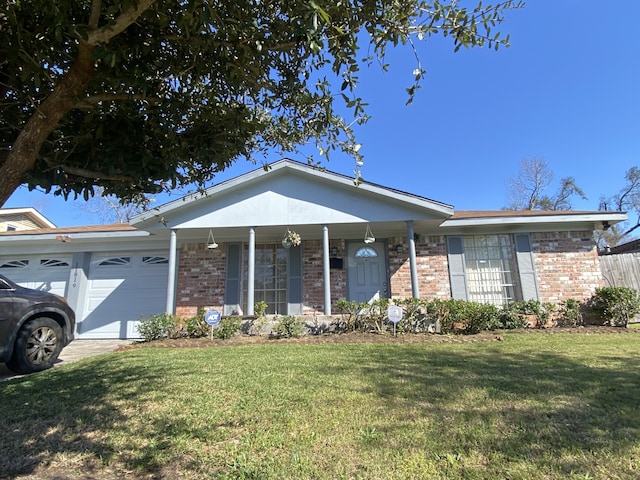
x,y
561,406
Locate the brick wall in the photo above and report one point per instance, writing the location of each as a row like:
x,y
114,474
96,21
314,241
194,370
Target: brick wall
x,y
201,274
567,265
431,264
313,280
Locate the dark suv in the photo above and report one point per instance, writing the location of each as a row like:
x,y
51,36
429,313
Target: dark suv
x,y
34,327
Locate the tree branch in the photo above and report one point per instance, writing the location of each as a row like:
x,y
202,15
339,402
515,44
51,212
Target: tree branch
x,y
94,19
94,100
84,173
126,18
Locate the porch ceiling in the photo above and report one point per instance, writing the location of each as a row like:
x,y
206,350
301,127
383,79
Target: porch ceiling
x,y
275,233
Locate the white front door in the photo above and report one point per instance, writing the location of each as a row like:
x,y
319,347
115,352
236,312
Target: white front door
x,y
366,271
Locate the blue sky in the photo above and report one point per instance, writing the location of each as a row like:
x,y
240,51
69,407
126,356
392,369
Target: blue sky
x,y
567,90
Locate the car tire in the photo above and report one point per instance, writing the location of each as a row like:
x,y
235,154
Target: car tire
x,y
37,346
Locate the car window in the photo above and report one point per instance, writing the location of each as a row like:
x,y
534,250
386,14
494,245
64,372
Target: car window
x,y
4,285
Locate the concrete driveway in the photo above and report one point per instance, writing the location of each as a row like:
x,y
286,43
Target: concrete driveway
x,y
75,351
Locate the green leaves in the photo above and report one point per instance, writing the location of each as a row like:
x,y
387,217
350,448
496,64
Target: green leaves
x,y
177,91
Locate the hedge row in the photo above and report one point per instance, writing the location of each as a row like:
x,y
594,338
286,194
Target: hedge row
x,y
614,306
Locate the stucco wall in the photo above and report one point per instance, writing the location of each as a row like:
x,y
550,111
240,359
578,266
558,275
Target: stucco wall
x,y
567,265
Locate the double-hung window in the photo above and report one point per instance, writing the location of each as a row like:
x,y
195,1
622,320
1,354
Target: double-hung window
x,y
491,269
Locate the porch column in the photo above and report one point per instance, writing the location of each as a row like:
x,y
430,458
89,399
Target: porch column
x,y
171,277
415,289
326,272
251,272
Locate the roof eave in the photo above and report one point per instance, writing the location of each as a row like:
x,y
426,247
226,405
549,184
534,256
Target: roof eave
x,y
592,220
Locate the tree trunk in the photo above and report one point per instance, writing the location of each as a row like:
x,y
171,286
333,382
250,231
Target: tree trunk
x,y
47,116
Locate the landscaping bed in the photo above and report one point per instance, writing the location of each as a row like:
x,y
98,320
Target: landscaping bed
x,y
359,337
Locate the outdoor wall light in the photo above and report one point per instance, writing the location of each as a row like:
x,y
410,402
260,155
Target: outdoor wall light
x,y
333,251
368,235
399,249
211,242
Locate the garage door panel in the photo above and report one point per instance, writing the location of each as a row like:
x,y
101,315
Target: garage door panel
x,y
49,273
122,289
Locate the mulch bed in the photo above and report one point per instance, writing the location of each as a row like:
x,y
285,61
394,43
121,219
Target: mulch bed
x,y
358,337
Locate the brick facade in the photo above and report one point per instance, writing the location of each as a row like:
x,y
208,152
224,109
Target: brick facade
x,y
313,283
567,265
201,276
431,264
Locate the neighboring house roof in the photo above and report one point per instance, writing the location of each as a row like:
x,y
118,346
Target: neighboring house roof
x,y
113,227
630,247
99,237
26,218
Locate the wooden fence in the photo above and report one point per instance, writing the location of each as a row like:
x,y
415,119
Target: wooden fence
x,y
621,270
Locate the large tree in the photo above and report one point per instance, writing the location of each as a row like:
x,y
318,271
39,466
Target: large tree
x,y
529,189
135,96
626,200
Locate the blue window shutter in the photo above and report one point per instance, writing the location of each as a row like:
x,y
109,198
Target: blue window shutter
x,y
294,281
457,275
232,280
526,267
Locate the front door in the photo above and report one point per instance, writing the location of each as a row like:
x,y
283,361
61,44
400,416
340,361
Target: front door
x,y
366,271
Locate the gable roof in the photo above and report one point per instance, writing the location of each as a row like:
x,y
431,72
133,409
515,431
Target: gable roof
x,y
293,193
28,217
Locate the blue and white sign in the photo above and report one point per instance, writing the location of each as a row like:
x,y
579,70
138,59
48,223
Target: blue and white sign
x,y
212,317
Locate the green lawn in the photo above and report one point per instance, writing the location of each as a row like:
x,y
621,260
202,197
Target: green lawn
x,y
534,406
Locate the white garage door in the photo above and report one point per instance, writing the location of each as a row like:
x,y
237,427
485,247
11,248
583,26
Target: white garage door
x,y
49,273
121,289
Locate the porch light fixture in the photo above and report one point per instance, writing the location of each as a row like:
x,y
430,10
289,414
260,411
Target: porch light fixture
x,y
333,251
211,242
368,235
399,248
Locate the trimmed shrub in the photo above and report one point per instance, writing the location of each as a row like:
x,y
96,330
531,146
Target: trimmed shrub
x,y
156,326
375,316
227,328
352,315
511,317
569,313
413,319
196,326
616,305
288,327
